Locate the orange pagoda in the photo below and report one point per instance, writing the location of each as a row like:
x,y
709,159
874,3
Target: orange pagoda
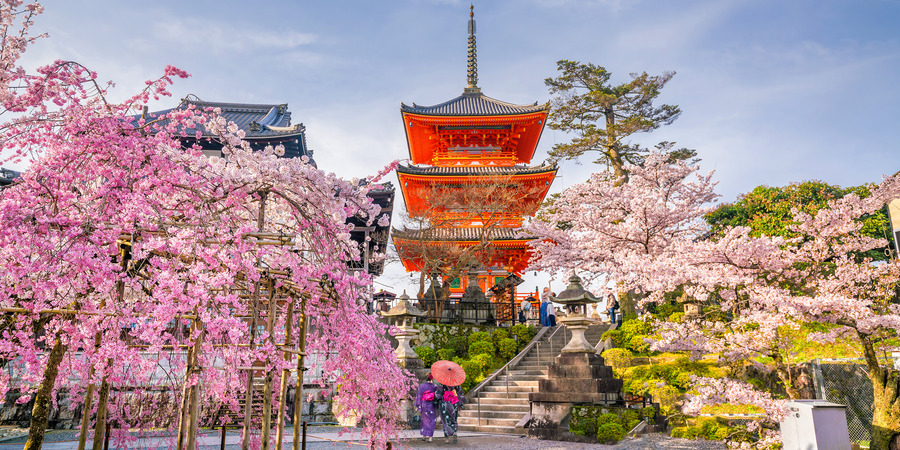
x,y
472,141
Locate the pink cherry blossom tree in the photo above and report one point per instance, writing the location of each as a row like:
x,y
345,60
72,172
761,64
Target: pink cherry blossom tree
x,y
647,233
121,249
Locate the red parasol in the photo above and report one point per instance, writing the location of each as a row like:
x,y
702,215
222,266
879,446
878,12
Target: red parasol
x,y
448,373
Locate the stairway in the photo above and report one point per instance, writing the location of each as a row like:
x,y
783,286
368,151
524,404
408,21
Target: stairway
x,y
502,410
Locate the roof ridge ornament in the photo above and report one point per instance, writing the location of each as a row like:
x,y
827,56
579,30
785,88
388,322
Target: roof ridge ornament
x,y
472,60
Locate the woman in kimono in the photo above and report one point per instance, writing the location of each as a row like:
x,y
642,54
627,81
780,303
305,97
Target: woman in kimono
x,y
451,400
425,402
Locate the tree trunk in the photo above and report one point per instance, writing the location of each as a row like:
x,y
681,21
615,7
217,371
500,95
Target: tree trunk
x,y
886,417
886,389
41,411
612,149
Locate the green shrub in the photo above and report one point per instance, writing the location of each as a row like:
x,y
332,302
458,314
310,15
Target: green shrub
x,y
637,344
634,327
649,412
446,353
631,424
481,347
617,358
710,428
473,370
426,354
615,335
483,362
507,348
630,415
498,335
608,418
677,317
524,332
583,426
610,433
459,344
478,336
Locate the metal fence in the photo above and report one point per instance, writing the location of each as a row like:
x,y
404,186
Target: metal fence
x,y
846,381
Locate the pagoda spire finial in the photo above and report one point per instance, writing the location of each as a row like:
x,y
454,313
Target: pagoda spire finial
x,y
472,66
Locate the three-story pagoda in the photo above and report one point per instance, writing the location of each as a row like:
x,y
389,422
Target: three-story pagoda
x,y
469,142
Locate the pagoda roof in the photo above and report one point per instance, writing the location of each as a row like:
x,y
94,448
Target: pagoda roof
x,y
262,124
460,234
475,170
473,103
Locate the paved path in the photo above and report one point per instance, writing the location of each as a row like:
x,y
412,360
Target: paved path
x,y
325,438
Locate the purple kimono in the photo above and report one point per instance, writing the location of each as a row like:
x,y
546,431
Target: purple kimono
x,y
426,408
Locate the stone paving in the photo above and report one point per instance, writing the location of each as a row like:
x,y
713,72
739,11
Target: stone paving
x,y
328,437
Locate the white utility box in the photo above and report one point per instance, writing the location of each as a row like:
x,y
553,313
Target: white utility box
x,y
815,425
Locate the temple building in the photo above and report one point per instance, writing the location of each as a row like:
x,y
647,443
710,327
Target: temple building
x,y
472,142
270,124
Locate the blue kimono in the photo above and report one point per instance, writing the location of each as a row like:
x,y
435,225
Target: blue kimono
x,y
544,320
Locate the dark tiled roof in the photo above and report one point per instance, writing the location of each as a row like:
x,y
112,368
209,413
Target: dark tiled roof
x,y
459,234
472,103
476,170
8,176
262,124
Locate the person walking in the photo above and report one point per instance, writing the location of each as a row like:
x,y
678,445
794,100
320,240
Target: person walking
x,y
425,403
551,312
612,304
451,400
526,308
545,307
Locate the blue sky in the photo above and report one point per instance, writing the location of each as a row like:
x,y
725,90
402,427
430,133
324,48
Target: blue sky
x,y
772,91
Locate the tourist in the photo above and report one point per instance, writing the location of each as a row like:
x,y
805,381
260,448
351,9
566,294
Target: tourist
x,y
451,400
526,308
545,307
425,402
551,312
611,305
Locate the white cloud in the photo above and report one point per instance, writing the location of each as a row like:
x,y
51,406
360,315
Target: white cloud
x,y
217,38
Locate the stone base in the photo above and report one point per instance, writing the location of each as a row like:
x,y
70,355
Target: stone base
x,y
573,378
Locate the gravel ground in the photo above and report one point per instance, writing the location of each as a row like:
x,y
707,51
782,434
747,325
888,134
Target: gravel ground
x,y
493,441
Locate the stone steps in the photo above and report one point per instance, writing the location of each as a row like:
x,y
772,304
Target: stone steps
x,y
501,412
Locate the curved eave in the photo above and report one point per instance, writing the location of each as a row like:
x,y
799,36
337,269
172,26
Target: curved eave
x,y
423,140
513,252
414,187
473,103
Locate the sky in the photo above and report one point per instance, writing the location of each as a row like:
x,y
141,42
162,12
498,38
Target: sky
x,y
772,91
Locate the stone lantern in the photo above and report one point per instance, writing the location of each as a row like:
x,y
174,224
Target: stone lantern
x,y
404,314
691,306
577,298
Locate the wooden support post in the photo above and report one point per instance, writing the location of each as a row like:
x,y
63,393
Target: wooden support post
x,y
100,428
248,400
285,378
267,390
304,436
194,368
298,392
86,414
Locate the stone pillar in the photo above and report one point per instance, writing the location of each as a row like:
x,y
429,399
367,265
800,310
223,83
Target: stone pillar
x,y
404,351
